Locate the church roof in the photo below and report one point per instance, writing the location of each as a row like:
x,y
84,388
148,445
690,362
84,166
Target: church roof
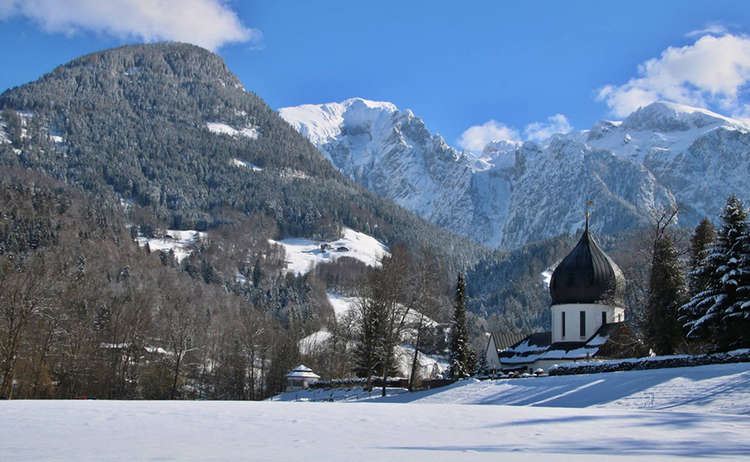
x,y
587,275
538,346
505,339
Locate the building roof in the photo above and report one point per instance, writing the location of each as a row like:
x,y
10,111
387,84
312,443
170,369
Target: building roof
x,y
303,371
505,339
587,275
538,346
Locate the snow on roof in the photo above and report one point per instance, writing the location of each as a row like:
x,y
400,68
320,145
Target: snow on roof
x,y
303,371
537,346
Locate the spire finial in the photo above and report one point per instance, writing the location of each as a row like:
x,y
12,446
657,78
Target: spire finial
x,y
588,204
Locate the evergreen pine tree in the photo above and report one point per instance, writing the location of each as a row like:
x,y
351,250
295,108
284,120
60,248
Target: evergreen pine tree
x,y
701,241
459,358
662,329
737,314
709,313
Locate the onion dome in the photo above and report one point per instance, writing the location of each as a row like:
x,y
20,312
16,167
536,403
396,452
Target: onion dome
x,y
587,275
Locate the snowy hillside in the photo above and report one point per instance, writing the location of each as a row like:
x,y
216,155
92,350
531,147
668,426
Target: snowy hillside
x,y
343,307
514,193
178,241
303,254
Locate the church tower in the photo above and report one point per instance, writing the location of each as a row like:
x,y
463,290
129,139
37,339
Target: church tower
x,y
587,290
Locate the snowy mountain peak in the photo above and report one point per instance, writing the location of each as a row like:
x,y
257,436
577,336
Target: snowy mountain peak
x,y
667,117
323,122
514,193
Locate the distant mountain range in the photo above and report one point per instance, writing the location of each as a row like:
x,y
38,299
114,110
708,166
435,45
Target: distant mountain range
x,y
662,155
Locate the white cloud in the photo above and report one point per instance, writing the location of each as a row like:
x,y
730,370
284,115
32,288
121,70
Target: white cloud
x,y
709,29
207,23
475,138
709,73
539,131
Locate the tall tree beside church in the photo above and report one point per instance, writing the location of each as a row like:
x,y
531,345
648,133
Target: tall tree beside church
x,y
737,314
662,330
460,356
710,314
700,273
701,241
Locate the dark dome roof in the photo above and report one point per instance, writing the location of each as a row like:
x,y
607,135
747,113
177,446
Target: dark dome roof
x,y
587,275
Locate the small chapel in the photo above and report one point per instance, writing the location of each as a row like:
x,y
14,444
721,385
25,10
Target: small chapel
x,y
587,311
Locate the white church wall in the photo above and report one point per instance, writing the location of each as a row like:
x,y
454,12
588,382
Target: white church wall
x,y
490,354
593,320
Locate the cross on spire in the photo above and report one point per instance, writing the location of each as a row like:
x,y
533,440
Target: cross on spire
x,y
588,203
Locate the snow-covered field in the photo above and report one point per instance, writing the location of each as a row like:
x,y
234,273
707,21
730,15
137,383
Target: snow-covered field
x,y
224,129
303,254
179,241
658,415
272,431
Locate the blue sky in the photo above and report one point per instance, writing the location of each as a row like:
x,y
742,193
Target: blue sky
x,y
517,70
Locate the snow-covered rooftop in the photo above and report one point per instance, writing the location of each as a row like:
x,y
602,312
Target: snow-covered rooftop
x,y
303,371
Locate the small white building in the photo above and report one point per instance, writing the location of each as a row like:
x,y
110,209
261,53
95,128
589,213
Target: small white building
x,y
300,378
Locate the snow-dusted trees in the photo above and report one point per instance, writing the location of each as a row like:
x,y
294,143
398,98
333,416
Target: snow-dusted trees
x,y
701,241
719,314
396,303
661,329
387,291
425,302
461,359
25,293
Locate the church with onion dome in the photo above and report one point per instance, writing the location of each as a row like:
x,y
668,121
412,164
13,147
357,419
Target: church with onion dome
x,y
587,311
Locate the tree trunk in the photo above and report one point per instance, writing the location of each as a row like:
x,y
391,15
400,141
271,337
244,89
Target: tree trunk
x,y
385,374
415,360
176,376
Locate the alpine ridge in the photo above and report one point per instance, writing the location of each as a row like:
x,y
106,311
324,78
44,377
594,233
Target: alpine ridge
x,y
662,155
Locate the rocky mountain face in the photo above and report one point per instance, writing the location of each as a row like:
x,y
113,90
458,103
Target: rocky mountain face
x,y
514,193
392,153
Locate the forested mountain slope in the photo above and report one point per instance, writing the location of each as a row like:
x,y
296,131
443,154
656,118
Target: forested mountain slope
x,y
169,128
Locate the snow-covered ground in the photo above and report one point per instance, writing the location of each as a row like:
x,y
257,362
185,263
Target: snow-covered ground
x,y
659,415
718,388
303,254
224,129
273,431
245,164
178,241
